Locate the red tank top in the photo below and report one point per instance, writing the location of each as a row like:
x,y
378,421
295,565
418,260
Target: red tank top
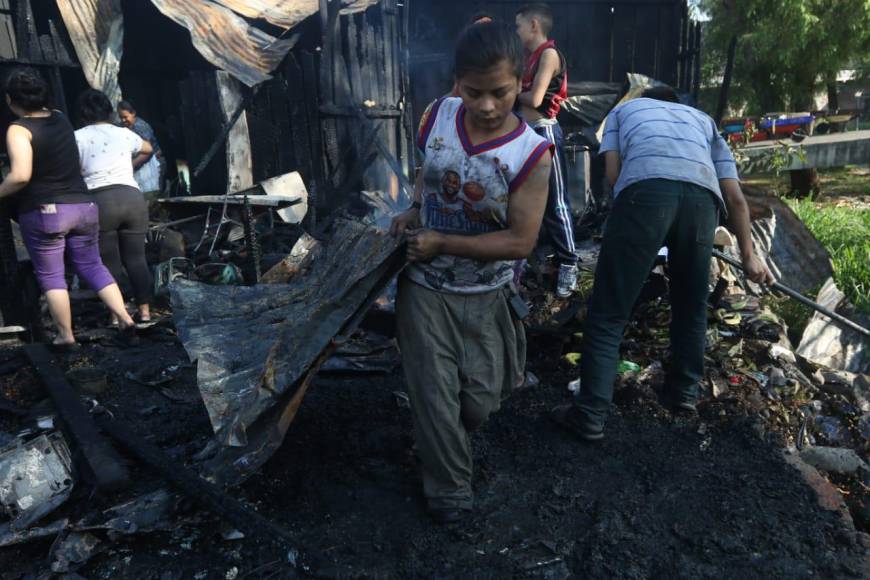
x,y
557,90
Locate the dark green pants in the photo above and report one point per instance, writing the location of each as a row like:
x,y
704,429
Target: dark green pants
x,y
646,216
462,355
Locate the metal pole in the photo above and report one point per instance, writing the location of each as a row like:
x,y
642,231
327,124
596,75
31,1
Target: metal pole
x,y
801,298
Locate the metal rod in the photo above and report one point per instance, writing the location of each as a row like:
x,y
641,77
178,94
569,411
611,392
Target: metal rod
x,y
801,298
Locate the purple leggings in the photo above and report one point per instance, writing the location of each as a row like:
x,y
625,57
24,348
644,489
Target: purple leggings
x,y
71,227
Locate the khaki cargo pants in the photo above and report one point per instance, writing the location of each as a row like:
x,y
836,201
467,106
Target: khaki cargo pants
x,y
462,355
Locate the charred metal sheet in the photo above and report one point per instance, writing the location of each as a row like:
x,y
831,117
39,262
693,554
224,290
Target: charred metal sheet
x,y
287,13
258,347
96,28
253,343
831,345
35,478
226,40
220,33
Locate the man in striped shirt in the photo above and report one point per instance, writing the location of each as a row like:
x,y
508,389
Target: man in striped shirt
x,y
672,174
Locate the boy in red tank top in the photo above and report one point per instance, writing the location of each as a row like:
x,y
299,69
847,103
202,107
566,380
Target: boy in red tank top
x,y
545,86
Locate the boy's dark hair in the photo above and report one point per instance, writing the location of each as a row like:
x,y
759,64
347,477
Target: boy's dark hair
x,y
482,46
93,106
661,93
539,11
127,106
27,89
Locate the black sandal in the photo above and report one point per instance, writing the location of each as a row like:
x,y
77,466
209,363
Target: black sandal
x,y
63,347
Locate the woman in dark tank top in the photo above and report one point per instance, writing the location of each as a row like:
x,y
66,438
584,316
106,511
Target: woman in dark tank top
x,y
54,211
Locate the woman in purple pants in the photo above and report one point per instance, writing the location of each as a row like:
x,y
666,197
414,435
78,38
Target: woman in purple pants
x,y
55,212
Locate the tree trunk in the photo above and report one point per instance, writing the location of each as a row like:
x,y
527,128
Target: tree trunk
x,y
726,81
833,95
804,182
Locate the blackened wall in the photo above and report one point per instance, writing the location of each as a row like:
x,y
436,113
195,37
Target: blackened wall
x,y
602,39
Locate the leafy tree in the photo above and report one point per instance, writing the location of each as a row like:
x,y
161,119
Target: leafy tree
x,y
785,47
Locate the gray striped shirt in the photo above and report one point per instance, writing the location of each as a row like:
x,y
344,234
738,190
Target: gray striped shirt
x,y
662,140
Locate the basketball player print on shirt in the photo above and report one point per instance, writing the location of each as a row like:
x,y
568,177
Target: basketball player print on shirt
x,y
459,208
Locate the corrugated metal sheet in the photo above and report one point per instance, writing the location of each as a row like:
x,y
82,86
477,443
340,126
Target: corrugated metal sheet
x,y
227,41
792,253
287,13
96,28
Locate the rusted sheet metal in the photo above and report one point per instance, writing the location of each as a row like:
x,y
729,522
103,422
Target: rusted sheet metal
x,y
256,347
287,13
96,28
792,253
226,40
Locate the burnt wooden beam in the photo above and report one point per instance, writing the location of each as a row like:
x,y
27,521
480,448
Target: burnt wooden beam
x,y
225,131
405,89
22,46
98,456
330,110
57,89
204,493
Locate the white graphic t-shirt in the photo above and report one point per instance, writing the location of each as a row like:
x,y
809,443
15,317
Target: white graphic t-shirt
x,y
467,190
106,154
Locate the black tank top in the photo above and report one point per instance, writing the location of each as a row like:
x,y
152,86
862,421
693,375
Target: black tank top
x,y
57,176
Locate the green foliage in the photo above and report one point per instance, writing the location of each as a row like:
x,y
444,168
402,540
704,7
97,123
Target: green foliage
x,y
845,233
785,47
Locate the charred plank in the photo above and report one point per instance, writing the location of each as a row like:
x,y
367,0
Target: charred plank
x,y
98,456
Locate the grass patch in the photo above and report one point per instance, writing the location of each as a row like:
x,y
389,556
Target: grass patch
x,y
852,180
845,233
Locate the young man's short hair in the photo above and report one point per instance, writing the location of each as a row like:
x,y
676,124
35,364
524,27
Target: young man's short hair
x,y
661,93
540,12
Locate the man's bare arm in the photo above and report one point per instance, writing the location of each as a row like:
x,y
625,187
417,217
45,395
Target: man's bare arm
x,y
525,212
548,67
612,165
738,223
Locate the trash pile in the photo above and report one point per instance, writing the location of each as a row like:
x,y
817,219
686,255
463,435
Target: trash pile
x,y
804,395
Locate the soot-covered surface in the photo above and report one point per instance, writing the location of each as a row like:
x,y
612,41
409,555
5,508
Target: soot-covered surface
x,y
658,498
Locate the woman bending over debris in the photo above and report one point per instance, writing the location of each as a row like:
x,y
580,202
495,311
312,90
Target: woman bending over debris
x,y
55,212
478,204
106,154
